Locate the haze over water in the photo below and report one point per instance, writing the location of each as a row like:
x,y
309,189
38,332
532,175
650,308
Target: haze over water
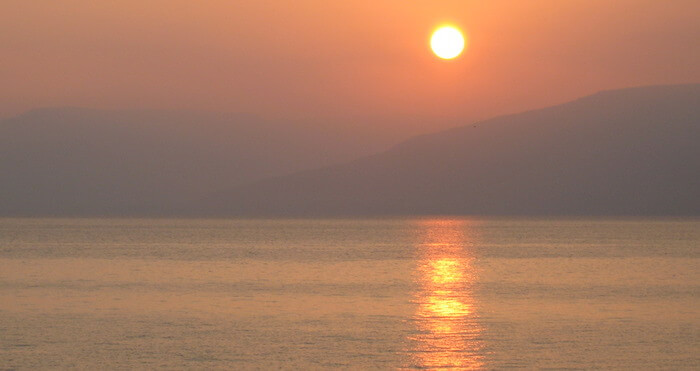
x,y
381,293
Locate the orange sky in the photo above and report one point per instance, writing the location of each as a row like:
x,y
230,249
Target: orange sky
x,y
335,59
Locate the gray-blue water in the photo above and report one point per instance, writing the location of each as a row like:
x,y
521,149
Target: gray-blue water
x,y
385,293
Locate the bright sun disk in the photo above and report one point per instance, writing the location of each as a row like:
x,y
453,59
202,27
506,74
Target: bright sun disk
x,y
447,42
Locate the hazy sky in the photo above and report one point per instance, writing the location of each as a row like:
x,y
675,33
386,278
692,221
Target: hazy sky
x,y
335,59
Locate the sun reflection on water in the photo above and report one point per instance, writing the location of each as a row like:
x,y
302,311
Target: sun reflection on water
x,y
447,327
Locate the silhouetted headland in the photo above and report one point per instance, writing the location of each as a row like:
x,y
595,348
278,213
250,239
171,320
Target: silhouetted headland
x,y
623,152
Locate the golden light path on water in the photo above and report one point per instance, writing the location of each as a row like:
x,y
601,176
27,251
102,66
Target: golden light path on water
x,y
447,327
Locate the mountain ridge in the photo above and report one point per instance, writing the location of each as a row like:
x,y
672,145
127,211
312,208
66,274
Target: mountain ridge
x,y
74,161
378,184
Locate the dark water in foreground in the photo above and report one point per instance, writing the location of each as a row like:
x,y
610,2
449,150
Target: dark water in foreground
x,y
410,293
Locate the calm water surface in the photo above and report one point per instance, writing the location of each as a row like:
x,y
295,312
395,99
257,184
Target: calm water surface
x,y
309,294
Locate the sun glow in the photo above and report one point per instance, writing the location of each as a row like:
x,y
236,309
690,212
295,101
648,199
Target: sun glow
x,y
447,42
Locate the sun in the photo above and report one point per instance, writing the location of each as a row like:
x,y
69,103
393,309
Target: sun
x,y
447,42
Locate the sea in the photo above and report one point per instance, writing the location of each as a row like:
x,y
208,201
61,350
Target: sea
x,y
402,293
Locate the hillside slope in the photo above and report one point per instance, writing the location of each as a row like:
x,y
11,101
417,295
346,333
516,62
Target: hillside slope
x,y
82,162
624,152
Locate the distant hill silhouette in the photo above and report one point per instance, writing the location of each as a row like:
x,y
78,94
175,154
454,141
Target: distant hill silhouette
x,y
74,161
624,152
